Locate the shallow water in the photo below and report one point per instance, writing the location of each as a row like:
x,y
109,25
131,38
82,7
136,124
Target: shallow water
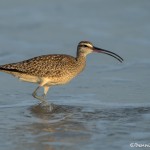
x,y
107,106
79,128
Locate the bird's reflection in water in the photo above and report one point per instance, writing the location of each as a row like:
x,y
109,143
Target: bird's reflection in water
x,y
58,130
59,113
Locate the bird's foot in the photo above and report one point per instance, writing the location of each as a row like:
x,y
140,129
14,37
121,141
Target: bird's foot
x,y
49,107
41,98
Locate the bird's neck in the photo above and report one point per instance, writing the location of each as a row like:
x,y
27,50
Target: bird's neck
x,y
81,60
81,57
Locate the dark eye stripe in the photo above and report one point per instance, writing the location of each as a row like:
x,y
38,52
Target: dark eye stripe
x,y
85,46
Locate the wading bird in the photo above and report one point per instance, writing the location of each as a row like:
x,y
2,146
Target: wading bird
x,y
53,69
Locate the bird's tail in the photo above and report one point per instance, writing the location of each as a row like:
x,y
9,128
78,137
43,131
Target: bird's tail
x,y
8,68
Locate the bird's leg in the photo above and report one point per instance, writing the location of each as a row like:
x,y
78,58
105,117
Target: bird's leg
x,y
41,98
44,103
46,88
51,106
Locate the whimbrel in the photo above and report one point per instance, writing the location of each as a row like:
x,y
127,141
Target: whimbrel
x,y
53,69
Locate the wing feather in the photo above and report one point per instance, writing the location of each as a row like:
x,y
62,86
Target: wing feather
x,y
42,66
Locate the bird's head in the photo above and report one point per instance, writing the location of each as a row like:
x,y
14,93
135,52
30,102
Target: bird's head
x,y
85,47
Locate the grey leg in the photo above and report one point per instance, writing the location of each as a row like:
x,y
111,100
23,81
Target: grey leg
x,y
41,98
51,106
44,103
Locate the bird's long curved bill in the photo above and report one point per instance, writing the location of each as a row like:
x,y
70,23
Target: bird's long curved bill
x,y
100,50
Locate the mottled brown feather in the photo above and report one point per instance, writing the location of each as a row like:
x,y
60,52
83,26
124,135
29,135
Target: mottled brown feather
x,y
45,66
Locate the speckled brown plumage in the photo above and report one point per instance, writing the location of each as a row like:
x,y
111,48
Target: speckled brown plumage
x,y
54,69
45,66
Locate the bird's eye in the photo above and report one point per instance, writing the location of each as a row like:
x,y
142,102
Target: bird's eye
x,y
85,46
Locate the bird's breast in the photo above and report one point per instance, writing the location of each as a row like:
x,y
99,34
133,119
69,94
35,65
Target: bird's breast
x,y
64,76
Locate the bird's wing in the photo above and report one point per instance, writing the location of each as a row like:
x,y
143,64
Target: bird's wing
x,y
46,65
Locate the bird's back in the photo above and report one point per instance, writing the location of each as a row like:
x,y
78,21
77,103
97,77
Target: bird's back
x,y
56,65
